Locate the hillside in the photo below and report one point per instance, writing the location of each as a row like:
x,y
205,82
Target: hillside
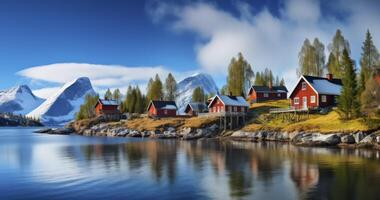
x,y
324,123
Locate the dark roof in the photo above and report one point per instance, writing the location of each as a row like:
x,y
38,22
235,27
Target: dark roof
x,y
162,104
267,89
107,102
198,106
310,79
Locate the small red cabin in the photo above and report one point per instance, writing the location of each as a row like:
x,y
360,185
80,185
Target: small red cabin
x,y
162,109
228,104
315,92
258,94
193,109
107,107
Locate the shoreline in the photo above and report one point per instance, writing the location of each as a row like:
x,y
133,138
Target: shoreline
x,y
360,139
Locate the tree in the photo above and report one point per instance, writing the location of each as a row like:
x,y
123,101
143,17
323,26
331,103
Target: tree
x,y
336,47
348,102
116,95
224,90
149,89
108,94
282,82
198,95
87,109
170,88
258,80
370,98
368,62
320,58
238,70
311,58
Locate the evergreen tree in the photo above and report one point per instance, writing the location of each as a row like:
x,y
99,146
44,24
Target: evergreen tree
x,y
368,62
116,95
258,79
348,101
198,95
108,94
157,89
237,72
170,88
149,89
319,57
338,45
282,82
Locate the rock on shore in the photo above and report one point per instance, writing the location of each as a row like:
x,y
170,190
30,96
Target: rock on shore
x,y
56,131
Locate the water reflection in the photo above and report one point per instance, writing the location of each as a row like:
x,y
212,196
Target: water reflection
x,y
202,169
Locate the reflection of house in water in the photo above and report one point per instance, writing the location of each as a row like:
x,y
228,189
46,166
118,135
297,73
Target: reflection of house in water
x,y
305,176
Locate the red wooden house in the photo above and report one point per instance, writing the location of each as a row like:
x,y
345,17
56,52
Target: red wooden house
x,y
193,109
228,104
162,109
107,108
258,94
315,92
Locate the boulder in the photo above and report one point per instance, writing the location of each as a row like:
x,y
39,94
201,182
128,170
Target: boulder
x,y
358,136
316,139
44,130
134,134
368,139
348,139
61,131
239,134
186,131
378,139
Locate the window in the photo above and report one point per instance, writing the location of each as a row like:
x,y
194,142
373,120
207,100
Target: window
x,y
303,85
312,99
324,98
235,108
296,100
278,94
266,95
165,112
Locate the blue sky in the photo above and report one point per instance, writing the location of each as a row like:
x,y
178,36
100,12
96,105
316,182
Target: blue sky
x,y
47,43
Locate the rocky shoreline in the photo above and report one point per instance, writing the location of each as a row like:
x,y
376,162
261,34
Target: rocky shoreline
x,y
343,140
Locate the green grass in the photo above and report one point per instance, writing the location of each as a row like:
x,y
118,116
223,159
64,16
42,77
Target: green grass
x,y
327,123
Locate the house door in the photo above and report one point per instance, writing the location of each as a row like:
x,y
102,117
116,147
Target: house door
x,y
304,102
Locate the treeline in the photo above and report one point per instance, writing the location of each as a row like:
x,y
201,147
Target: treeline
x,y
241,77
360,93
134,100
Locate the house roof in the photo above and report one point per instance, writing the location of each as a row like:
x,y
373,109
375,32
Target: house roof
x,y
267,89
230,100
322,85
169,105
107,102
197,106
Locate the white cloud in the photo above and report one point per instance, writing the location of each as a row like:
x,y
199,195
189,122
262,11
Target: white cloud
x,y
45,92
101,76
265,39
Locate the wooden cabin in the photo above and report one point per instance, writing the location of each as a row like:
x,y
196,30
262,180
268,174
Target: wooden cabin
x,y
228,105
258,94
193,109
158,108
108,108
313,92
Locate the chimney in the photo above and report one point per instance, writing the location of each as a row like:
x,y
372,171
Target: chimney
x,y
329,76
270,85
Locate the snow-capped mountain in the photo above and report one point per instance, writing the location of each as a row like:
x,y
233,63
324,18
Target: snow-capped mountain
x,y
186,87
18,100
62,106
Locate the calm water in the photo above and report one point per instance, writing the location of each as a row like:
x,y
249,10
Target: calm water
x,y
35,166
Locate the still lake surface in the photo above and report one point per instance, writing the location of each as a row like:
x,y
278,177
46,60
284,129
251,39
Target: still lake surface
x,y
37,166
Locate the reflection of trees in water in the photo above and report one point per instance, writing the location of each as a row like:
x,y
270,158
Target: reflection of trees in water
x,y
317,173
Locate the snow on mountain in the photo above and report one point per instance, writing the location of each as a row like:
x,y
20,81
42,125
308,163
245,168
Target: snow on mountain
x,y
62,106
18,100
186,87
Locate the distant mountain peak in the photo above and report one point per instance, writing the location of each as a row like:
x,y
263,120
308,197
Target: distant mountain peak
x,y
18,100
186,87
62,106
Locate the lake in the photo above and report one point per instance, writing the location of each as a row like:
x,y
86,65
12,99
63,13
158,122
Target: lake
x,y
37,166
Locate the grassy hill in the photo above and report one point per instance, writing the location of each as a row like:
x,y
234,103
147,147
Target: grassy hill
x,y
325,123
